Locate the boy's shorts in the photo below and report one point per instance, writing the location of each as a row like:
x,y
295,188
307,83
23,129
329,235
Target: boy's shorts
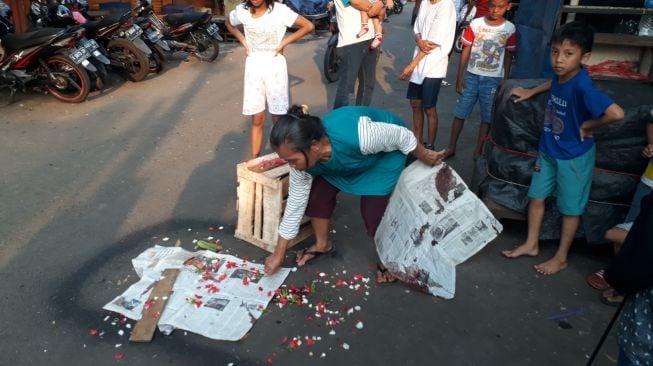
x,y
568,180
427,92
481,88
266,80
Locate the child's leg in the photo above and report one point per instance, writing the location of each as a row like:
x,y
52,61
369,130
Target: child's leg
x,y
456,129
256,133
418,119
364,27
378,30
531,246
463,109
432,116
559,260
483,131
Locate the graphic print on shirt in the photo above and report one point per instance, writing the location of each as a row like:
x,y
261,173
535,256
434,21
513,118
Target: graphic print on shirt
x,y
487,52
552,123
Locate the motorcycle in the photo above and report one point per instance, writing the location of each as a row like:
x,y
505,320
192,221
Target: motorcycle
x,y
331,64
45,59
191,32
397,8
116,35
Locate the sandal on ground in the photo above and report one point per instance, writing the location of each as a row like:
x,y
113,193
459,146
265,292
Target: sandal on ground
x,y
314,254
611,297
382,272
597,281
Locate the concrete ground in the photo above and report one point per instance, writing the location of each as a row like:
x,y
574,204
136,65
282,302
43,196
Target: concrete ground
x,y
85,188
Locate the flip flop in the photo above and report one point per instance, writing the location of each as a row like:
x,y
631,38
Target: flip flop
x,y
383,271
611,299
597,281
316,255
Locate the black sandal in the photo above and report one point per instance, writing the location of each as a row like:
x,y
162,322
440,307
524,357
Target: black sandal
x,y
315,254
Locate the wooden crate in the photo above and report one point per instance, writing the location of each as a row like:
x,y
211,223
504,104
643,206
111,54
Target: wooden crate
x,y
262,194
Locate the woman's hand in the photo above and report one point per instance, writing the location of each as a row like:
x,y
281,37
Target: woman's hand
x,y
273,263
427,156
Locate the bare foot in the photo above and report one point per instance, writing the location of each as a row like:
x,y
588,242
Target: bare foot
x,y
550,267
315,250
383,275
524,249
448,153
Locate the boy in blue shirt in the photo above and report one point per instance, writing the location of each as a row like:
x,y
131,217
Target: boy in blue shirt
x,y
567,151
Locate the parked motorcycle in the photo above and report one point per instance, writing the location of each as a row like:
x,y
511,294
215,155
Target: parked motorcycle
x,y
331,64
191,32
397,8
45,59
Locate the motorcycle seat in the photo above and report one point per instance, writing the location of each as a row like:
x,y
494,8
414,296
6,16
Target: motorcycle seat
x,y
92,26
176,20
16,41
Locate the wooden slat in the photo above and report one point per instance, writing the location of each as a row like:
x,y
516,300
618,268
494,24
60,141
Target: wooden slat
x,y
272,212
144,328
617,39
245,222
258,210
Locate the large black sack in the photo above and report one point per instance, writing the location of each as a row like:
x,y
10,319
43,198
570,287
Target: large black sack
x,y
504,172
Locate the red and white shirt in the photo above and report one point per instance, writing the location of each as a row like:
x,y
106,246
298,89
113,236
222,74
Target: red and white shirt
x,y
489,43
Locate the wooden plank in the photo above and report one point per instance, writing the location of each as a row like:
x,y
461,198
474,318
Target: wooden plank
x,y
244,226
258,210
622,40
272,213
612,10
144,328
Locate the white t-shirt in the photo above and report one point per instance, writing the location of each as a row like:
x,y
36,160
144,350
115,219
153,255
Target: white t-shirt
x,y
264,34
349,24
489,45
435,23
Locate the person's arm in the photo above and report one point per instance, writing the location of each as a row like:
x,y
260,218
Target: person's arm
x,y
460,80
236,33
507,64
648,150
299,189
523,93
376,137
612,113
305,27
408,70
372,9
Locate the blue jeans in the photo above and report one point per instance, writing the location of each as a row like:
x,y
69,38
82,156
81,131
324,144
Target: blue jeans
x,y
481,88
641,191
357,61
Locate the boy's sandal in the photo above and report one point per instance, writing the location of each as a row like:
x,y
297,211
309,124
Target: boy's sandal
x,y
596,280
315,254
611,297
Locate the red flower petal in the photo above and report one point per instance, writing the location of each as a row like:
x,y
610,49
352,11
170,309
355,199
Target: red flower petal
x,y
119,356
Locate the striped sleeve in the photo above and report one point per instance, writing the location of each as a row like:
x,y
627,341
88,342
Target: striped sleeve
x,y
299,189
375,137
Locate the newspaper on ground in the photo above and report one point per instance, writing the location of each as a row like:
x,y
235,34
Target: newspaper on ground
x,y
433,223
216,295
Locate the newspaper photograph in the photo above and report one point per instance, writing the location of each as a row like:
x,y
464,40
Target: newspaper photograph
x,y
433,222
216,295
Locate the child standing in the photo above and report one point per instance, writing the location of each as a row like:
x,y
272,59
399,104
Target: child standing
x,y
266,73
486,40
567,151
434,32
376,22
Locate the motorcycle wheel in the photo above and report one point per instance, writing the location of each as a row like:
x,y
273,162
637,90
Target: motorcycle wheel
x,y
208,48
100,77
128,54
71,83
398,7
159,58
331,64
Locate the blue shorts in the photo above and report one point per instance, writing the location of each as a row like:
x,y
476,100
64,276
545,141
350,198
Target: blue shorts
x,y
642,191
481,88
568,180
427,92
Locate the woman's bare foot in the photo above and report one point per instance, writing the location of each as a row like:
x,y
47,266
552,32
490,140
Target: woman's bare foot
x,y
312,252
551,267
526,249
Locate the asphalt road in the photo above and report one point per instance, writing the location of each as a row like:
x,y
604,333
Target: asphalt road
x,y
85,188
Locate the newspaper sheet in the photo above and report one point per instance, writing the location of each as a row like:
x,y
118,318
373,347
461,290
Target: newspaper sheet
x,y
216,295
433,223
